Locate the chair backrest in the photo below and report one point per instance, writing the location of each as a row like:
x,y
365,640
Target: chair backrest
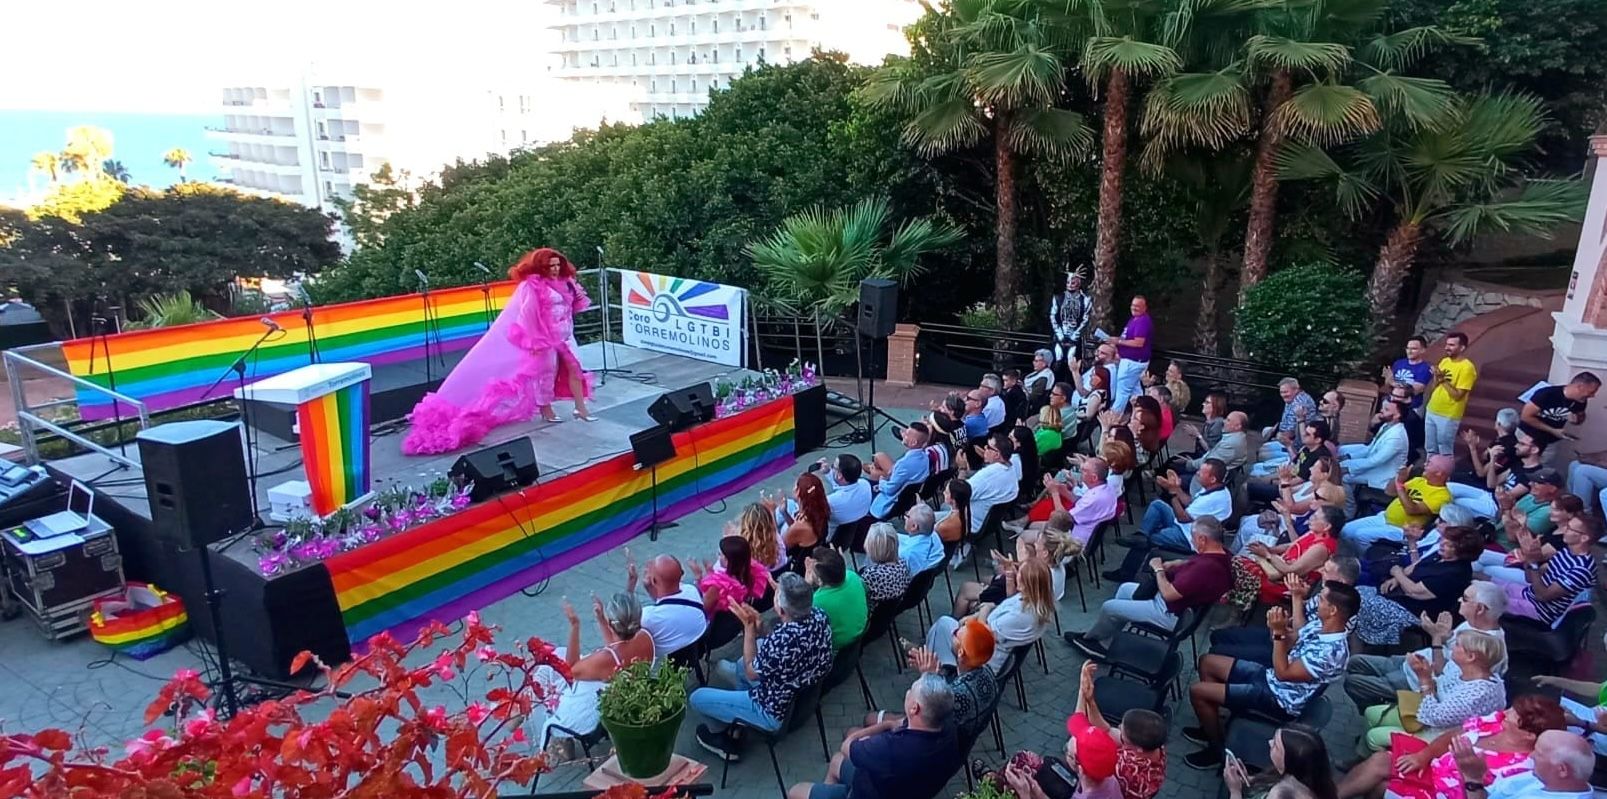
x,y
906,500
1097,540
920,586
932,487
804,703
1012,662
882,615
843,663
851,535
992,524
723,629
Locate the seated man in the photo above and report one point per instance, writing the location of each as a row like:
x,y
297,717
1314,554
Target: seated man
x,y
891,478
991,390
1232,449
1315,441
1196,582
1373,679
1417,500
1547,586
910,758
919,545
675,618
848,493
1563,763
840,593
1375,463
1164,522
993,484
1297,406
771,671
1254,643
1302,662
1014,396
1508,477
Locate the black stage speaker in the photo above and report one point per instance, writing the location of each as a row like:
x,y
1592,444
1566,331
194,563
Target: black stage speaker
x,y
878,307
684,407
652,446
195,479
497,468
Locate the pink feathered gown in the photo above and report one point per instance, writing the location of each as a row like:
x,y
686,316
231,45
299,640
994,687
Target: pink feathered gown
x,y
518,367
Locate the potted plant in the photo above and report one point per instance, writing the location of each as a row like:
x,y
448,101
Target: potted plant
x,y
642,709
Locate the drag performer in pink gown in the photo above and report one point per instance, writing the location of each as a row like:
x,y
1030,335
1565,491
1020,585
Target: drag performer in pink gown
x,y
527,358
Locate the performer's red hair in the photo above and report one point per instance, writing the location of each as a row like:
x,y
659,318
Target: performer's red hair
x,y
535,263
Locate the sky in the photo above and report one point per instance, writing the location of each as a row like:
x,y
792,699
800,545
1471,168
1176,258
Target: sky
x,y
173,56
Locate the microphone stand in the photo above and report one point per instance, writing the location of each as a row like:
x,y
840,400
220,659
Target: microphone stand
x,y
485,292
97,327
239,370
313,355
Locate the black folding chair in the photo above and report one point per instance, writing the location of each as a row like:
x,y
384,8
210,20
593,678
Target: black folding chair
x,y
1012,672
805,703
880,625
586,741
851,536
992,524
847,662
1089,556
1144,651
915,598
906,499
932,487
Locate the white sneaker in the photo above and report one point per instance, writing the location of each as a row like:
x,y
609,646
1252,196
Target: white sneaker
x,y
960,556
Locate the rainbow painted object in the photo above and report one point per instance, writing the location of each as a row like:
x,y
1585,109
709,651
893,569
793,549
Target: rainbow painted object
x,y
682,293
143,623
334,447
171,367
466,561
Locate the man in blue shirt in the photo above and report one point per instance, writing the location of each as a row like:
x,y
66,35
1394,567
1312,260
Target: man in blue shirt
x,y
892,477
1412,371
908,759
976,424
919,546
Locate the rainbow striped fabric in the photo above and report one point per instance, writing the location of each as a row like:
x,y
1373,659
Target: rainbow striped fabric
x,y
334,446
145,622
466,561
170,367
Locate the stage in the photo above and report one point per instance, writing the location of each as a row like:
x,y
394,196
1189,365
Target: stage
x,y
589,499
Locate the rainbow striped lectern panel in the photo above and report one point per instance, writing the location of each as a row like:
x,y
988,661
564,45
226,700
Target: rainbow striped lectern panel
x,y
331,402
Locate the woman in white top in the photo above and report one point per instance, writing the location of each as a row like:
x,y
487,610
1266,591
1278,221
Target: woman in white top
x,y
1020,620
1446,701
624,643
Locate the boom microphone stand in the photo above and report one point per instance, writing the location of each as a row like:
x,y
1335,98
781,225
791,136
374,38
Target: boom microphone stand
x,y
239,370
313,355
432,325
98,340
485,292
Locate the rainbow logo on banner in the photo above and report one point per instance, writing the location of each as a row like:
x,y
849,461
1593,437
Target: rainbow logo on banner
x,y
676,296
334,446
468,560
170,367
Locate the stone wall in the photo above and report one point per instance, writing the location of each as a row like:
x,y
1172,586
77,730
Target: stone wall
x,y
1457,298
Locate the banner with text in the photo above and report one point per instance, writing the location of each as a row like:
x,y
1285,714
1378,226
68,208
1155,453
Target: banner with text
x,y
681,316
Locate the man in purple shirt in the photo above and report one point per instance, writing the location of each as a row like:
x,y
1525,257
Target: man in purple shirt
x,y
1134,346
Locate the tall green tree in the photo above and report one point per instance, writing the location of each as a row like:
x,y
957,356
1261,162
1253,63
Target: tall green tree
x,y
178,158
1458,175
995,69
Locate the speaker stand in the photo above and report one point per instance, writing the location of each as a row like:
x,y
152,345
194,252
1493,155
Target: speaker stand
x,y
873,415
655,526
227,679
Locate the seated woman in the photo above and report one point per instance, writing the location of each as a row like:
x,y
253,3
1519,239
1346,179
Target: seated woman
x,y
953,527
1088,401
886,576
1446,702
1061,493
1215,410
1258,575
624,643
800,533
1297,753
1019,620
1024,461
1145,422
1413,769
1298,500
1047,436
1430,584
1045,544
1163,396
757,526
738,577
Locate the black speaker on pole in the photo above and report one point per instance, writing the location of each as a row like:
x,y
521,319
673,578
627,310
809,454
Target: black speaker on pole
x,y
195,479
878,307
683,407
497,468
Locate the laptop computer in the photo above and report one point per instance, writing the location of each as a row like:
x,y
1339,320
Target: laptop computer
x,y
70,520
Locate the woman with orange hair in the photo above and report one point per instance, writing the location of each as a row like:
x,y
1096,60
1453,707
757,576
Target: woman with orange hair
x,y
521,365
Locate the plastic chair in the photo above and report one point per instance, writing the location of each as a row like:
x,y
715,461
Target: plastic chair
x,y
805,703
1088,555
586,741
906,500
915,598
992,524
851,536
1115,696
1533,642
1144,651
932,487
846,662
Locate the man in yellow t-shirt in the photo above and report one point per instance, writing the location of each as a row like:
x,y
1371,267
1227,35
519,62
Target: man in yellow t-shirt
x,y
1451,385
1417,501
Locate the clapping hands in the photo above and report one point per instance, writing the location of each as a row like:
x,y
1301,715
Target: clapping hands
x,y
1438,628
923,660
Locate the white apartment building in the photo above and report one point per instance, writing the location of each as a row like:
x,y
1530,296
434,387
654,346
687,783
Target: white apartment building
x,y
668,54
308,143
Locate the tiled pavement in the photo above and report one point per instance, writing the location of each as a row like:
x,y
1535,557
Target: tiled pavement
x,y
51,684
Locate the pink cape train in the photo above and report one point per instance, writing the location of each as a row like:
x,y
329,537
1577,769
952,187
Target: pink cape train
x,y
520,365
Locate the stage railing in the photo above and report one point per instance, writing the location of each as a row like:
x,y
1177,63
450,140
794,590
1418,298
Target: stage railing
x,y
29,421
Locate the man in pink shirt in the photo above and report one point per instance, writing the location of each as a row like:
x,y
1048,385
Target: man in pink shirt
x,y
1097,505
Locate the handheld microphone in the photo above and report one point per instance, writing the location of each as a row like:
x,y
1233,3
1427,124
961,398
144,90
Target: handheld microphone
x,y
270,324
481,267
423,279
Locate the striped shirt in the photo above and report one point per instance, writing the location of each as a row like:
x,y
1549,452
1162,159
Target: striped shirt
x,y
1573,572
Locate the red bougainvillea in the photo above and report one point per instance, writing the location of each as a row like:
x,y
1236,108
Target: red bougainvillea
x,y
383,742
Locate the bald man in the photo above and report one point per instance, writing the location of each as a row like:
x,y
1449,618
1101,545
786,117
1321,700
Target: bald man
x,y
1233,449
1417,501
1562,766
675,617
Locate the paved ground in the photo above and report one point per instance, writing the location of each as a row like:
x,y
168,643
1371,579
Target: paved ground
x,y
70,685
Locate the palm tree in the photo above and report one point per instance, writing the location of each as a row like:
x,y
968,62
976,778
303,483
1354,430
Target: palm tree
x,y
1118,62
168,310
815,260
88,147
48,164
1218,185
72,162
178,158
115,170
1455,174
1000,72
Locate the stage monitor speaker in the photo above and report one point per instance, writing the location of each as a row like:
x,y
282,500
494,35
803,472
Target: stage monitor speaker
x,y
652,446
497,468
684,407
195,479
878,307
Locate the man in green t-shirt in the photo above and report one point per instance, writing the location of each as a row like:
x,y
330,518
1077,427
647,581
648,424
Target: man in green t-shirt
x,y
839,594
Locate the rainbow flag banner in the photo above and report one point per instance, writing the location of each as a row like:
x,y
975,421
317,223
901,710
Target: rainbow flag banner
x,y
334,447
466,561
170,367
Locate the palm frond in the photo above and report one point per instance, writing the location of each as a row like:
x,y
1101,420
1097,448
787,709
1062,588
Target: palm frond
x,y
1327,113
1194,109
901,257
1539,206
1498,126
1138,59
1026,76
1401,49
1282,53
945,126
1352,190
1056,133
890,88
1343,16
1416,102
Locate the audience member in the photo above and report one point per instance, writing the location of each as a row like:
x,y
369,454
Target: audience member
x,y
1046,434
624,643
1194,583
919,545
1090,503
1297,405
1425,587
1164,522
1375,463
993,411
1014,396
1442,702
1215,410
1450,388
771,671
849,498
1330,406
892,477
1314,443
886,760
1024,460
737,578
1549,411
1505,469
675,619
1589,720
1298,500
840,593
1177,391
1303,661
800,534
1016,622
1377,679
1298,755
991,485
1045,544
1163,395
1411,372
1548,586
1253,642
1134,346
1090,397
976,688
886,576
1416,501
1263,573
757,526
1041,380
954,524
1412,420
1232,446
1562,769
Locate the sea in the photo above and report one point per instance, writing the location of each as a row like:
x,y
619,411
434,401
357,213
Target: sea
x,y
138,140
